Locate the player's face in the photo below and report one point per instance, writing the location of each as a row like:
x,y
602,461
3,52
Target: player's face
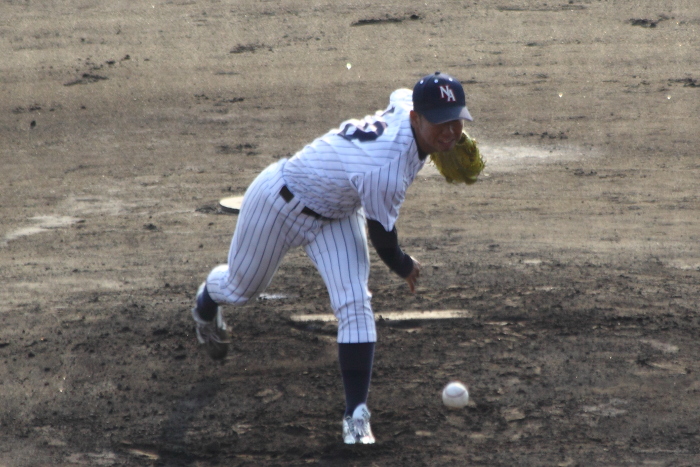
x,y
433,137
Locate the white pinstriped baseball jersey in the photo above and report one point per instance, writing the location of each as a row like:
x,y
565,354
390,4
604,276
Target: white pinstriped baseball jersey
x,y
362,168
365,163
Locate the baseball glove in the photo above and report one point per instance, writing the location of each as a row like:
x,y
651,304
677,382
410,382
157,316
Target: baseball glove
x,y
463,163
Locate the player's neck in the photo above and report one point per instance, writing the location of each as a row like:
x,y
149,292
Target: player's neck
x,y
421,154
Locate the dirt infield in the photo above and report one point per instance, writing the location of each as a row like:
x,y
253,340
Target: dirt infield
x,y
574,260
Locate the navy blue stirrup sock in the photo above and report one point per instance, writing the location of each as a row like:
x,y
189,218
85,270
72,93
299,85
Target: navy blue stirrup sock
x,y
356,368
206,306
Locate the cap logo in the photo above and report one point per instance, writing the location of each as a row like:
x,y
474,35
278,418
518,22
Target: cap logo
x,y
446,92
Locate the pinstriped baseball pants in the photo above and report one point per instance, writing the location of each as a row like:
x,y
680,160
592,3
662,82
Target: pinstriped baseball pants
x,y
268,227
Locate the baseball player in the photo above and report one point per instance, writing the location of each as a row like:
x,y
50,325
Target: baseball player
x,y
325,198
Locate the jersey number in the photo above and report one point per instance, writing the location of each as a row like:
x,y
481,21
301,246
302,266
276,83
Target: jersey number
x,y
369,131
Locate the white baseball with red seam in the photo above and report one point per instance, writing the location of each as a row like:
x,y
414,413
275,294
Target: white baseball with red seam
x,y
455,395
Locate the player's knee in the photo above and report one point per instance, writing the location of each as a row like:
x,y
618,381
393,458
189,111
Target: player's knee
x,y
224,289
355,329
352,306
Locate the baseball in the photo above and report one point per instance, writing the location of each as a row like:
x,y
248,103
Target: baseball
x,y
455,395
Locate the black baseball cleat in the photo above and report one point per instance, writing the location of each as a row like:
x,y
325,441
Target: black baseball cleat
x,y
212,334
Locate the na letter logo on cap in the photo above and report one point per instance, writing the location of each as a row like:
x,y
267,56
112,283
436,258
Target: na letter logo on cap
x,y
446,92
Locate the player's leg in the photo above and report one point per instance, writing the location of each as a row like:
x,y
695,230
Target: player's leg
x,y
256,250
340,253
267,227
356,370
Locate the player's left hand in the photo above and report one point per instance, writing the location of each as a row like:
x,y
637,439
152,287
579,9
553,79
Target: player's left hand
x,y
463,163
412,278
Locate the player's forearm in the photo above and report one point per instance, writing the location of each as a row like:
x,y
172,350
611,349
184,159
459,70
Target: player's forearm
x,y
397,260
388,249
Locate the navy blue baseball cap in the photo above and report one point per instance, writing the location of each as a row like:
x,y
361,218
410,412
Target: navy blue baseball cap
x,y
440,98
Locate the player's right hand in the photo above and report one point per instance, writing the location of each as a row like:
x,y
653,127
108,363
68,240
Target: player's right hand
x,y
412,278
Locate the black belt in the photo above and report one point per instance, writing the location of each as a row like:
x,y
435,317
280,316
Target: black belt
x,y
288,196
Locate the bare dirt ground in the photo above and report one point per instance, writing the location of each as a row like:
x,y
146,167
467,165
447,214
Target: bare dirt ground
x,y
575,256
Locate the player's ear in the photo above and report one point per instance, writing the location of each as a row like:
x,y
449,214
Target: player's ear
x,y
415,117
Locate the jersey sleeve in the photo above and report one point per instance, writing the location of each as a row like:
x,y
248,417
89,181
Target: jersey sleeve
x,y
402,98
